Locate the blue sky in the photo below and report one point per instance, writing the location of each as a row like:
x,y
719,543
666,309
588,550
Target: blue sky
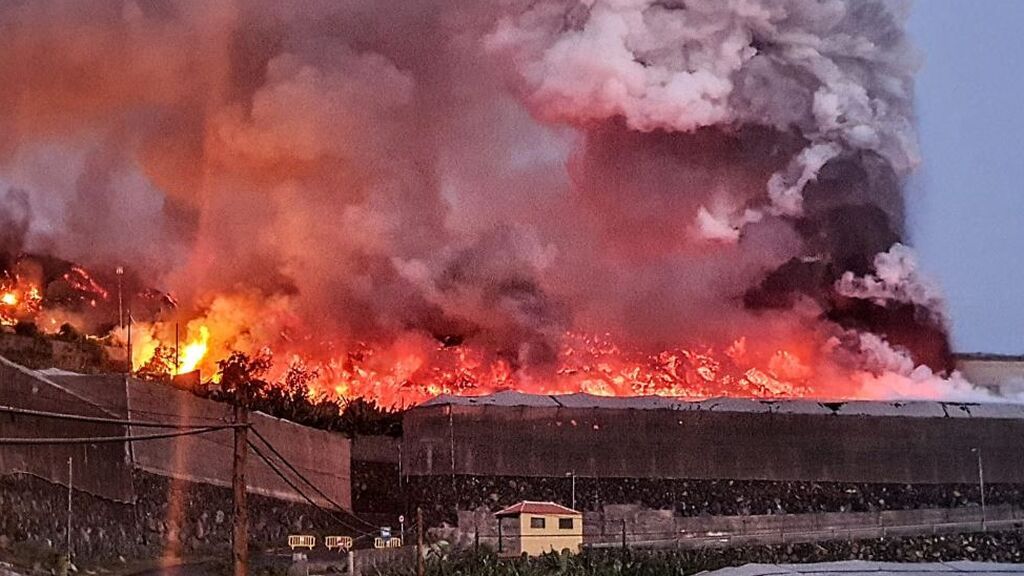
x,y
967,200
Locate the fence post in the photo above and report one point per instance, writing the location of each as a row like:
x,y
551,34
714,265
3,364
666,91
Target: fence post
x,y
351,563
623,533
420,568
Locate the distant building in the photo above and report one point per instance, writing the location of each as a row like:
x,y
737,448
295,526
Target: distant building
x,y
538,527
510,435
1003,374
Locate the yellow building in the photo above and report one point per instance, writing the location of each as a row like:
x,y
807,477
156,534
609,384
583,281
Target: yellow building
x,y
537,527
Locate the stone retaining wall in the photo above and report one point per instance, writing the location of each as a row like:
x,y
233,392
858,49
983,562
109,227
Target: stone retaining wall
x,y
441,496
981,547
171,518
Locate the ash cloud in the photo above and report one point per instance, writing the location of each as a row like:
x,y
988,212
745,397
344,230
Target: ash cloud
x,y
496,172
15,218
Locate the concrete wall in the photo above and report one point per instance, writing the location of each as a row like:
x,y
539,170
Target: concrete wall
x,y
383,449
99,469
927,448
322,457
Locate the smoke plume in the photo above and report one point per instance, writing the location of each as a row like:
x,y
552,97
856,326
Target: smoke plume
x,y
310,176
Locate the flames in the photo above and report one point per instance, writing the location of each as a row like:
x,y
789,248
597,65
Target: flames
x,y
412,367
19,299
194,352
415,368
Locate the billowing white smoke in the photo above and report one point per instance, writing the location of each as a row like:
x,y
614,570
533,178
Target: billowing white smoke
x,y
891,373
897,278
836,71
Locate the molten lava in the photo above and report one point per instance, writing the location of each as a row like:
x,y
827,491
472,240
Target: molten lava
x,y
19,299
799,361
413,370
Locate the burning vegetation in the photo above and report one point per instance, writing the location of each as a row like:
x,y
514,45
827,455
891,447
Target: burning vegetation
x,y
693,199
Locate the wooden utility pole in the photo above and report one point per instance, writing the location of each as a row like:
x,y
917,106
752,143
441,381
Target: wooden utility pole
x,y
70,473
420,568
240,533
131,361
177,362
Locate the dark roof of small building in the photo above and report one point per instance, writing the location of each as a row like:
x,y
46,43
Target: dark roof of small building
x,y
528,507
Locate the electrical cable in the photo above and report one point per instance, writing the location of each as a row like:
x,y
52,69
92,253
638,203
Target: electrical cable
x,y
100,420
298,491
109,439
304,479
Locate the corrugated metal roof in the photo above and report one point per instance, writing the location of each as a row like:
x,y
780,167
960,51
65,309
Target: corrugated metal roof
x,y
915,409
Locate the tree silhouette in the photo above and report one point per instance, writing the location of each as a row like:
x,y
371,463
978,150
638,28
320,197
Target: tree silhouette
x,y
242,377
243,380
159,367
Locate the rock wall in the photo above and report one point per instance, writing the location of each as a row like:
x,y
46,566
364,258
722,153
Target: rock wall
x,y
1003,547
377,485
979,547
441,496
645,525
171,518
41,351
376,488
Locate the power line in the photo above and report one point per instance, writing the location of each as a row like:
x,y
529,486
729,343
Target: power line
x,y
109,439
304,479
155,424
301,493
100,420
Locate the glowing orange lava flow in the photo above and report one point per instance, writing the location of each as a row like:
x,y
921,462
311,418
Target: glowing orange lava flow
x,y
408,373
412,367
584,364
18,300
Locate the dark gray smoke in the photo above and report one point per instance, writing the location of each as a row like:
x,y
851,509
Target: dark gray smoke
x,y
15,218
